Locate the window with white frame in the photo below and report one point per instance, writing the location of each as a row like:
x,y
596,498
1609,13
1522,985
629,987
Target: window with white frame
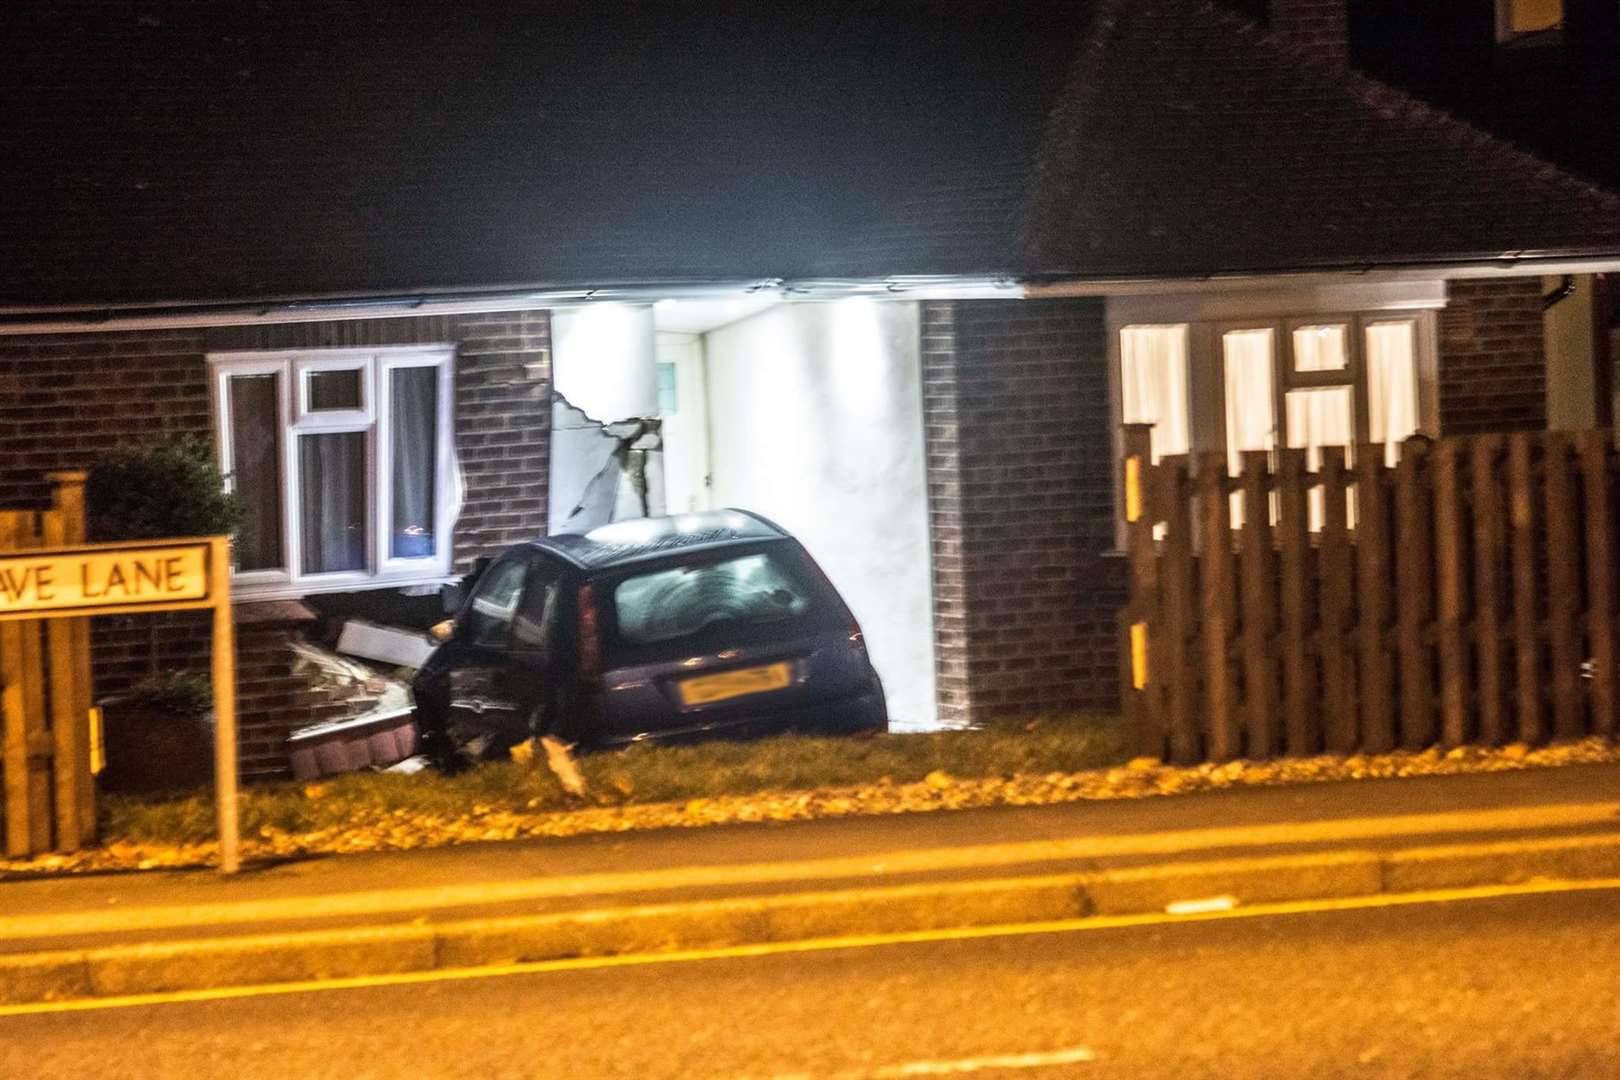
x,y
1309,381
345,462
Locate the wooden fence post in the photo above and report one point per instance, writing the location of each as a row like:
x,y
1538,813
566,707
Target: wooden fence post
x,y
1141,625
1414,575
68,500
1335,576
1301,712
1526,609
1598,474
1176,584
1376,670
1217,603
1490,539
1563,588
64,727
1259,610
14,749
224,675
1448,574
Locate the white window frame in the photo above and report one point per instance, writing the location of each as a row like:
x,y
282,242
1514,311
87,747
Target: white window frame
x,y
373,419
1209,315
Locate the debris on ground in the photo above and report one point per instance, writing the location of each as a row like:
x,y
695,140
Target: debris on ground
x,y
560,759
371,828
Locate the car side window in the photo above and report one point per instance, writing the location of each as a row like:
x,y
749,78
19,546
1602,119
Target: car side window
x,y
535,623
494,603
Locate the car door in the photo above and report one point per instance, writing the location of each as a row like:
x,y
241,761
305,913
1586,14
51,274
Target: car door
x,y
482,705
530,674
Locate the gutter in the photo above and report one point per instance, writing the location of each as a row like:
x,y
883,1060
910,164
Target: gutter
x,y
1511,264
81,318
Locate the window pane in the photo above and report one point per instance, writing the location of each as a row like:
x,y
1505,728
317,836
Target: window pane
x,y
414,449
1391,384
669,604
1318,418
329,390
1153,384
1249,423
494,601
332,475
255,434
1321,348
668,400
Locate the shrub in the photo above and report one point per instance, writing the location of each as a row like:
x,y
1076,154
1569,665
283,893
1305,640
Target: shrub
x,y
161,489
184,695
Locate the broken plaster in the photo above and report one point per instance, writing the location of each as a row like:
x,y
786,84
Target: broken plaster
x,y
628,480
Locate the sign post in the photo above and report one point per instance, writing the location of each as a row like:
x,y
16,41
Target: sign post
x,y
133,578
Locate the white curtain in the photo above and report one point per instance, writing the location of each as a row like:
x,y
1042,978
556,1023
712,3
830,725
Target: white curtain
x,y
1247,356
1249,424
333,516
1322,348
1391,384
1316,418
1153,384
414,401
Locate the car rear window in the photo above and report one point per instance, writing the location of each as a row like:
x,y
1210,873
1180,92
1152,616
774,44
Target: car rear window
x,y
683,601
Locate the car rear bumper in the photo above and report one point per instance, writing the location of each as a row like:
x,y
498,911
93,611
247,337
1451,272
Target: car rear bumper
x,y
860,714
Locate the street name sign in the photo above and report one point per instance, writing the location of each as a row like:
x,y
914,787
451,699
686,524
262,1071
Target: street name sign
x,y
102,579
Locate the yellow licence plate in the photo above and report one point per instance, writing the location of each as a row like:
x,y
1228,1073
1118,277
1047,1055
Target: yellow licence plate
x,y
755,680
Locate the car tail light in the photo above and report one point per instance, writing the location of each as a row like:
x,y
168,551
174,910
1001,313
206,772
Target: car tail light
x,y
590,637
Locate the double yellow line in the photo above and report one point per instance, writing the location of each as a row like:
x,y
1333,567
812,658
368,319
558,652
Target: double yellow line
x,y
857,941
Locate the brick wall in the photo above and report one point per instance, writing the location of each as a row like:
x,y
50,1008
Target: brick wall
x,y
1020,487
1493,368
503,429
67,399
1320,28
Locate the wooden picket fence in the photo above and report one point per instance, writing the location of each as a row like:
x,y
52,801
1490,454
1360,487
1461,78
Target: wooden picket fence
x,y
45,698
1464,595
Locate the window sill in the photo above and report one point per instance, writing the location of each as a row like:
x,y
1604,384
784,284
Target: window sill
x,y
245,594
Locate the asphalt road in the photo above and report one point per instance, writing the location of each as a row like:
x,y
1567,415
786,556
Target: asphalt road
x,y
1523,986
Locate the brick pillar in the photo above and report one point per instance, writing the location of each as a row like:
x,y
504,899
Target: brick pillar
x,y
1493,366
1320,28
1020,488
503,429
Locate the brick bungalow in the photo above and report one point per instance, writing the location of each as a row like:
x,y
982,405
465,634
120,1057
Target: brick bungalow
x,y
373,258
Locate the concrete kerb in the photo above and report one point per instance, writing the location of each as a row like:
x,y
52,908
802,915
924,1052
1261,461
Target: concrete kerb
x,y
298,956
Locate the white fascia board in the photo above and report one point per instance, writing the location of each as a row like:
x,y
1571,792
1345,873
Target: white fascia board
x,y
85,320
1276,298
1305,280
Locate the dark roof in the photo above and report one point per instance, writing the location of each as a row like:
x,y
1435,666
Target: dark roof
x,y
153,152
1188,142
626,542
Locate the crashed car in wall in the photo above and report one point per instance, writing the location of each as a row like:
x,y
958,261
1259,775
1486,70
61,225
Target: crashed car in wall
x,y
666,628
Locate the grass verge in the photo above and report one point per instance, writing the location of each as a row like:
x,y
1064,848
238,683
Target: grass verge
x,y
642,774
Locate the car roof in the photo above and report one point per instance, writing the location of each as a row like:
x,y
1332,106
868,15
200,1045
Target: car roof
x,y
627,542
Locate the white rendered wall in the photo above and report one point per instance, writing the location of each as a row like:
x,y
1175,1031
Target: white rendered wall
x,y
602,360
815,416
602,366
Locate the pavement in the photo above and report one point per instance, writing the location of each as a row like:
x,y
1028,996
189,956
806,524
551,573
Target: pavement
x,y
534,901
1502,989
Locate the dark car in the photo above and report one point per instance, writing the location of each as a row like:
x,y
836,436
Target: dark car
x,y
661,628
